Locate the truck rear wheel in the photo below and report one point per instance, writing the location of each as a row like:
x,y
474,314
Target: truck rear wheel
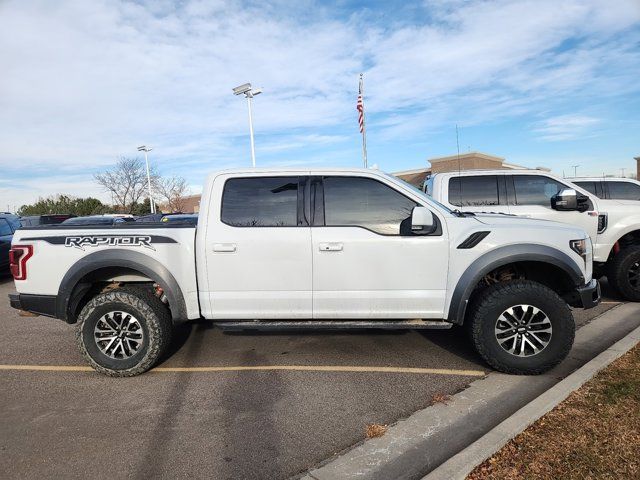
x,y
123,332
623,273
521,327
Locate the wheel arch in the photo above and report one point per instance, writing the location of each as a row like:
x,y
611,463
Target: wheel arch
x,y
631,237
116,265
521,254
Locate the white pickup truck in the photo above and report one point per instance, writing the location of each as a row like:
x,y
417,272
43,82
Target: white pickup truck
x,y
310,249
613,225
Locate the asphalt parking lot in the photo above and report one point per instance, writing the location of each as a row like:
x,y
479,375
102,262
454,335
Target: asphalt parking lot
x,y
193,418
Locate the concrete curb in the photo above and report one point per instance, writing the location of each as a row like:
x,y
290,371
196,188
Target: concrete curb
x,y
459,466
431,436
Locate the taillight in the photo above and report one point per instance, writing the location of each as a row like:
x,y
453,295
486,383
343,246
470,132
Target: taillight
x,y
18,256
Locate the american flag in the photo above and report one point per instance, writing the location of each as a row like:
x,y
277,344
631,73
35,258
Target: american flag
x,y
360,107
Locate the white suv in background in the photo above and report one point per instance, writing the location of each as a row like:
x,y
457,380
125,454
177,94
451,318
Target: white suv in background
x,y
612,188
613,225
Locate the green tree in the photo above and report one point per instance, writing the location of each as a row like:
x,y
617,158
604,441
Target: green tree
x,y
143,208
65,204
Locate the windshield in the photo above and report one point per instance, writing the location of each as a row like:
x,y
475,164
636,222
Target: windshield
x,y
419,192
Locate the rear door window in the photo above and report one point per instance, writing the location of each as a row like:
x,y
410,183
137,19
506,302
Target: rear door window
x,y
624,190
474,191
260,202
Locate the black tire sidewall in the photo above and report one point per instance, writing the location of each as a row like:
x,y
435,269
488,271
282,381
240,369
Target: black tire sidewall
x,y
563,328
619,273
92,349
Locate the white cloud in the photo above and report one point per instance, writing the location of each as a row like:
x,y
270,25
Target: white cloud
x,y
84,82
565,127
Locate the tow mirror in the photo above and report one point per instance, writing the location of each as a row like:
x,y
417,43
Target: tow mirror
x,y
565,200
422,221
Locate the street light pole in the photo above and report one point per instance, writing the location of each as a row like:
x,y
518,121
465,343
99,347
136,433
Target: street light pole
x,y
253,146
249,93
145,149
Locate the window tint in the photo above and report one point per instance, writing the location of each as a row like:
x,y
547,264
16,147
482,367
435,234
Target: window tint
x,y
367,203
624,190
15,223
260,202
5,229
589,187
535,189
474,191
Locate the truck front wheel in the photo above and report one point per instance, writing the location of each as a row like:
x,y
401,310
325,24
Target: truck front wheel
x,y
123,332
623,273
521,327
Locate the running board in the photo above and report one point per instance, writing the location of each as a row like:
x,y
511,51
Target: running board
x,y
332,324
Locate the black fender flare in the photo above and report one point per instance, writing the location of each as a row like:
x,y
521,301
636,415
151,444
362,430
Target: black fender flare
x,y
125,259
523,252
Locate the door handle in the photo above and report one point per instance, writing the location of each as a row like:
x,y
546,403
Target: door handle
x,y
330,247
224,247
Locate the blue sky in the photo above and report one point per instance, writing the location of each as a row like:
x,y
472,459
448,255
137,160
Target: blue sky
x,y
539,82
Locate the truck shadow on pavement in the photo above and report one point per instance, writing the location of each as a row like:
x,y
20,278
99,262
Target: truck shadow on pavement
x,y
239,405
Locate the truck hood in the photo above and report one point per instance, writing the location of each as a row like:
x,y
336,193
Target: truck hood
x,y
605,205
499,220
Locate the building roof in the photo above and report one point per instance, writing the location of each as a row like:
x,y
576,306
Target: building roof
x,y
467,155
414,177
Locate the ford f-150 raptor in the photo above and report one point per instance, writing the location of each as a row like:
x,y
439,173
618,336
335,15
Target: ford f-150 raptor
x,y
278,248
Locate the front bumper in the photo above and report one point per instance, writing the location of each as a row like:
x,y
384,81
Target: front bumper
x,y
38,304
587,296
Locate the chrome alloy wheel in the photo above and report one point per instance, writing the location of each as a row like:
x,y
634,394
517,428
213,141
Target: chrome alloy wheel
x,y
118,335
523,330
634,275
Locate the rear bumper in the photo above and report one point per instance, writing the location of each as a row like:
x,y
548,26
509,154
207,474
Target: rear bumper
x,y
40,304
587,296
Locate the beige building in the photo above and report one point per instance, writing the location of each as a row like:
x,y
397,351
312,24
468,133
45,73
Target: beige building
x,y
452,163
190,204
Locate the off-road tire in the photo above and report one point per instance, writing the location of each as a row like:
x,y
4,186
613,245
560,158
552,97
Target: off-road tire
x,y
485,310
153,316
618,272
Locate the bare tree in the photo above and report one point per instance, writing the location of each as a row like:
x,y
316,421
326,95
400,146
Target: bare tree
x,y
173,191
127,182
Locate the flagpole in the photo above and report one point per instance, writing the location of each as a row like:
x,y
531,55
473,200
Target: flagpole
x,y
364,125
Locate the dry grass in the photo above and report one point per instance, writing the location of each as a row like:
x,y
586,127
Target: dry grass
x,y
440,398
594,433
376,430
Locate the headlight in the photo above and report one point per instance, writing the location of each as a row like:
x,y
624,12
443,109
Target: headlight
x,y
580,247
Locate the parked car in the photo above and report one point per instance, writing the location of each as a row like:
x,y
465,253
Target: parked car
x,y
35,220
94,220
167,217
279,248
613,225
9,223
183,217
610,187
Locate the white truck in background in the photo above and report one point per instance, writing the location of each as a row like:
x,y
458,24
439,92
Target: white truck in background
x,y
611,188
613,225
278,248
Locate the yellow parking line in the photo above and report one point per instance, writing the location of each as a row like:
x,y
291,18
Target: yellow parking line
x,y
298,368
47,368
325,368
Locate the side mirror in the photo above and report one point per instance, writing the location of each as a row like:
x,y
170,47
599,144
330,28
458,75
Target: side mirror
x,y
566,200
422,221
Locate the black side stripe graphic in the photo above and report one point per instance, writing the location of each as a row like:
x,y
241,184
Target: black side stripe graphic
x,y
63,240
